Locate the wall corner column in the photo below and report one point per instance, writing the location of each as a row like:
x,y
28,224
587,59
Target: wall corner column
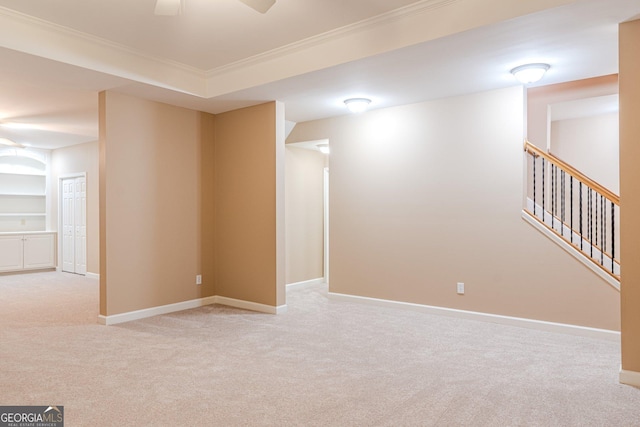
x,y
102,202
281,298
629,60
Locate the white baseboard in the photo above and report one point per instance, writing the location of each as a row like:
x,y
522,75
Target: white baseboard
x,y
186,305
154,311
248,305
92,275
630,378
583,331
302,284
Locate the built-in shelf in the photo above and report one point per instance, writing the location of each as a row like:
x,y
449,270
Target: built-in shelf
x,y
24,173
23,193
23,214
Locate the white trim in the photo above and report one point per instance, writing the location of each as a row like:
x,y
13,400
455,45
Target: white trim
x,y
42,38
339,33
571,250
306,283
154,311
92,275
629,377
186,305
249,305
325,219
583,331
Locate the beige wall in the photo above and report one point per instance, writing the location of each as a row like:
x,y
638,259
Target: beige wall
x,y
427,195
77,159
539,98
150,203
304,214
184,193
630,192
248,189
590,144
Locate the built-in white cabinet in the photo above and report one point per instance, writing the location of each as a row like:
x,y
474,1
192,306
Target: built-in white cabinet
x,y
28,251
11,253
25,241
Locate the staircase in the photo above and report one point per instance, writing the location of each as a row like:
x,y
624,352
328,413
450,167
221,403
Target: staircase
x,y
575,211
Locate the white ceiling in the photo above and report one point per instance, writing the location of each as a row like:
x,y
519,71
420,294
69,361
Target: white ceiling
x,y
311,55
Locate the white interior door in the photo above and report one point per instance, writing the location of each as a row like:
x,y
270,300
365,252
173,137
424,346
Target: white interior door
x,y
68,244
74,225
80,223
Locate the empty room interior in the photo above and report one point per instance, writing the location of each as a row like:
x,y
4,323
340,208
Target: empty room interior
x,y
275,212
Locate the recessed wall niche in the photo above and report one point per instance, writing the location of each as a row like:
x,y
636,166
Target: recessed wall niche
x,y
23,190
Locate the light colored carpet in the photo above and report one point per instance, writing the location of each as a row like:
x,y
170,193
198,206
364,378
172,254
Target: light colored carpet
x,y
323,363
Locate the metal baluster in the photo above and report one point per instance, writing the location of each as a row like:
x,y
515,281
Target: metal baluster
x,y
562,203
596,235
580,188
533,156
603,234
591,221
553,195
613,238
571,205
543,208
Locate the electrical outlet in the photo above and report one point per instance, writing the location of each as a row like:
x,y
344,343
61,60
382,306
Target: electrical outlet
x,y
460,288
199,279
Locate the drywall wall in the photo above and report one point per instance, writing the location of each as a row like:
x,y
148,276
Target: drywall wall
x,y
590,144
540,98
304,212
149,203
426,195
630,193
71,160
249,204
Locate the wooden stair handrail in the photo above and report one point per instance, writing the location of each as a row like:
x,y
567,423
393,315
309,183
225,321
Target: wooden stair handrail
x,y
535,151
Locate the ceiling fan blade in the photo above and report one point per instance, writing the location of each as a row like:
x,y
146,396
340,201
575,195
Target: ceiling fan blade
x,y
261,6
167,7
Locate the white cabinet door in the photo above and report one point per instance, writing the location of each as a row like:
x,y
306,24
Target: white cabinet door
x,y
39,251
11,253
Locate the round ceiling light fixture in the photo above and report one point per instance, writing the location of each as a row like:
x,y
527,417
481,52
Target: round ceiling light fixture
x,y
357,105
530,73
323,148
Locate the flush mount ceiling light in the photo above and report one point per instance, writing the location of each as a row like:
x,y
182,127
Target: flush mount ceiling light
x,y
323,148
357,105
530,73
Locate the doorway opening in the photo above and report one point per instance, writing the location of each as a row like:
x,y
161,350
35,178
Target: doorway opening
x,y
306,213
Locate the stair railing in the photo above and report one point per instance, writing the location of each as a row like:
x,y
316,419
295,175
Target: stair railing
x,y
575,207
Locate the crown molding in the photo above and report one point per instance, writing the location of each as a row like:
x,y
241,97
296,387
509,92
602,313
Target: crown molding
x,y
332,35
417,23
42,38
420,22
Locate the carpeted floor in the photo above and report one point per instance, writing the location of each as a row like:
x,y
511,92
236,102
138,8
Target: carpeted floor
x,y
323,363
